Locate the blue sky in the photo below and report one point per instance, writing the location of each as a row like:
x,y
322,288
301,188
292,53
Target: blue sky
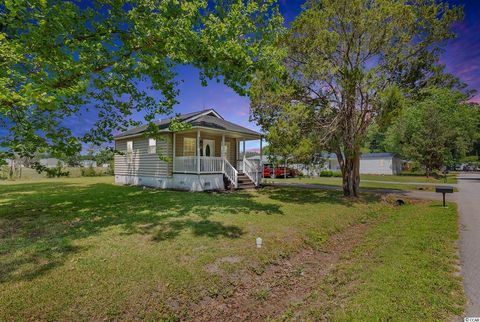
x,y
461,56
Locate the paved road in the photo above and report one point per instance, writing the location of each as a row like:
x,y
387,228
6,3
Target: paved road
x,y
469,203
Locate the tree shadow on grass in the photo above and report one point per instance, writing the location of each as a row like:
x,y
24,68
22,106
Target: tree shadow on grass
x,y
213,229
315,196
40,222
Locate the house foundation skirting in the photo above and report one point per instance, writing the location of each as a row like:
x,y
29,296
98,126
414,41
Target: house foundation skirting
x,y
178,181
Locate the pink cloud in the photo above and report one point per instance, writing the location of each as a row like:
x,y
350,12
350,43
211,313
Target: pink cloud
x,y
475,99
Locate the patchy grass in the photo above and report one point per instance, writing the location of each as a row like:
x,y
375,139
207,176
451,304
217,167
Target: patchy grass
x,y
85,249
28,174
410,177
404,270
401,182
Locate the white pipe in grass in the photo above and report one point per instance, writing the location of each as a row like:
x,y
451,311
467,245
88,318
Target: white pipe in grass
x,y
259,242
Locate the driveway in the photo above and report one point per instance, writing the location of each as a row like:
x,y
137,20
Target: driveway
x,y
469,203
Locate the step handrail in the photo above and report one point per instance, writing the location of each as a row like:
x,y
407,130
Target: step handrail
x,y
230,172
250,170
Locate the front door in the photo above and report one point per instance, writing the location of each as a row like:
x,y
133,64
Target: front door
x,y
208,148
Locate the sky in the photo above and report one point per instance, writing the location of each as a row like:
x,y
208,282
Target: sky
x,y
461,57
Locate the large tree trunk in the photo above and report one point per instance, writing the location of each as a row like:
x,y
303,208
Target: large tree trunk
x,y
351,174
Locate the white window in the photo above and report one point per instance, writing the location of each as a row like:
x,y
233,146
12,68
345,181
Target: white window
x,y
152,146
129,151
189,146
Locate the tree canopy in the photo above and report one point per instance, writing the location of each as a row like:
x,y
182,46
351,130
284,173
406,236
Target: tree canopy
x,y
289,135
61,58
434,130
353,62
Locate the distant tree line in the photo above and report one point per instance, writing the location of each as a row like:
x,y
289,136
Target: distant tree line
x,y
439,128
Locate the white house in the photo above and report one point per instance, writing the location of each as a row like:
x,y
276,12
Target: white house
x,y
51,162
206,156
371,163
88,163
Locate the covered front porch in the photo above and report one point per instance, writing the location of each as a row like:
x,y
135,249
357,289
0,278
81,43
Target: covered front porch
x,y
207,151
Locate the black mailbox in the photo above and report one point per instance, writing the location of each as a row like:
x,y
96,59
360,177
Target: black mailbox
x,y
444,190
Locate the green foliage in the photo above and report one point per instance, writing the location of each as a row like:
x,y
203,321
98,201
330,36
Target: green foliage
x,y
56,57
352,62
89,172
73,160
287,136
330,173
4,172
375,140
105,156
55,172
436,130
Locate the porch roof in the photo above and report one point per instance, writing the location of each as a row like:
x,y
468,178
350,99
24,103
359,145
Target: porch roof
x,y
202,119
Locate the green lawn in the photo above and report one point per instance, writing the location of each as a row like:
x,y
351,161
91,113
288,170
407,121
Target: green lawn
x,y
85,249
28,174
451,178
400,182
402,271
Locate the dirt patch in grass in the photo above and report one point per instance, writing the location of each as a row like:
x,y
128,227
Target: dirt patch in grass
x,y
216,266
263,292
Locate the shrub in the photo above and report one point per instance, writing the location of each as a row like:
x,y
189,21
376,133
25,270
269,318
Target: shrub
x,y
56,172
4,172
89,172
330,173
337,174
326,173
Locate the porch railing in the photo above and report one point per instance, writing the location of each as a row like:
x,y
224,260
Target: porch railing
x,y
252,170
211,164
231,173
190,164
185,164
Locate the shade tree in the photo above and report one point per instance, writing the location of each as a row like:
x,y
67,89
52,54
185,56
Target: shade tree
x,y
113,59
352,62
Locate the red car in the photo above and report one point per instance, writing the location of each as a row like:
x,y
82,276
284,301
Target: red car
x,y
272,172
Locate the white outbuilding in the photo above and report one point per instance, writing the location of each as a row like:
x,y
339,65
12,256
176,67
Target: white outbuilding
x,y
372,163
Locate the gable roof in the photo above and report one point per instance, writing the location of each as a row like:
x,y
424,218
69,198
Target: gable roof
x,y
200,119
213,122
375,155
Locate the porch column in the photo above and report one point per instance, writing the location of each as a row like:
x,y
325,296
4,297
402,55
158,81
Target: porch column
x,y
198,151
222,152
244,148
261,157
173,150
222,149
237,156
261,153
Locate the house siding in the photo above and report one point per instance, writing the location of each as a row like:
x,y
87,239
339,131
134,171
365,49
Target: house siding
x,y
388,166
144,163
231,157
383,165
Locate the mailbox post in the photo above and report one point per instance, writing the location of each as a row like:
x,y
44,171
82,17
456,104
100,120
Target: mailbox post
x,y
444,190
